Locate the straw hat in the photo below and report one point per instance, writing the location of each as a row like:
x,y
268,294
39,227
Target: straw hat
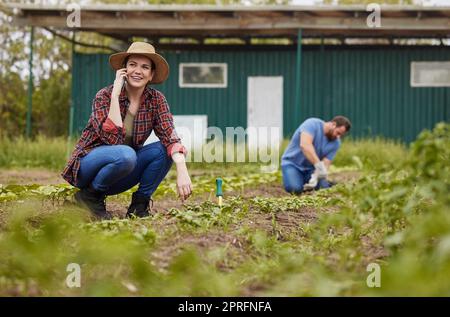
x,y
145,49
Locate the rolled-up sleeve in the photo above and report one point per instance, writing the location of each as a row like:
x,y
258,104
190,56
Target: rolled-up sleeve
x,y
106,130
164,127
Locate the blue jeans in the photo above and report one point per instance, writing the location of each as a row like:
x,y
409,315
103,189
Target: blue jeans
x,y
114,169
294,179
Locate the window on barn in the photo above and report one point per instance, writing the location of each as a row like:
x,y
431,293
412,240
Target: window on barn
x,y
203,75
430,74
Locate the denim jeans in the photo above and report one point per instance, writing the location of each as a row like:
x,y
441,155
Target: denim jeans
x,y
114,169
294,179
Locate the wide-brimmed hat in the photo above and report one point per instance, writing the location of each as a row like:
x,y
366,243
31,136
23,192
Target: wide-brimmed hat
x,y
145,49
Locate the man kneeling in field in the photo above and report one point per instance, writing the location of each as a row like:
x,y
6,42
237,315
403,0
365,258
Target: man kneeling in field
x,y
308,156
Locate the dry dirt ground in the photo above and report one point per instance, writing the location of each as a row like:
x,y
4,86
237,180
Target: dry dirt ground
x,y
30,176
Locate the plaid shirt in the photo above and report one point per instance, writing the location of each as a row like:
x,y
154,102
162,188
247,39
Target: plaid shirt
x,y
153,114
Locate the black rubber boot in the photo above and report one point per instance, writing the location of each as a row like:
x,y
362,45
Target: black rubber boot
x,y
94,200
140,206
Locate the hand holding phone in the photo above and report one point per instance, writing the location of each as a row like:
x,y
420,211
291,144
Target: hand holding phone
x,y
121,77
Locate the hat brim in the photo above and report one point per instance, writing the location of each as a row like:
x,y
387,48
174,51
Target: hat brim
x,y
161,65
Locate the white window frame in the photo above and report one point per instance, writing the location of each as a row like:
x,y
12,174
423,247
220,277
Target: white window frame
x,y
412,75
185,85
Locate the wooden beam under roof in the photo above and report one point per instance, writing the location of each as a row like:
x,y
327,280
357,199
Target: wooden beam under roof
x,y
126,21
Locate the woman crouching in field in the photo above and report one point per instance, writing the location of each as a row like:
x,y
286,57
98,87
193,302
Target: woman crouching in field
x,y
109,157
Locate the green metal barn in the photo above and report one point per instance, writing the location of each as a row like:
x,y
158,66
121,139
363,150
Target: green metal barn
x,y
333,62
370,85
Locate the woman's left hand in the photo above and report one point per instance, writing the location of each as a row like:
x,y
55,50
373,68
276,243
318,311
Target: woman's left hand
x,y
184,184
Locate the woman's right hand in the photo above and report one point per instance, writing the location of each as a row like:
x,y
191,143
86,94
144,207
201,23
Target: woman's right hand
x,y
121,75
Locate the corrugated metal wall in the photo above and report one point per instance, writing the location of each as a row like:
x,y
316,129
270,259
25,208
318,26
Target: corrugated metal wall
x,y
225,107
369,85
91,72
372,87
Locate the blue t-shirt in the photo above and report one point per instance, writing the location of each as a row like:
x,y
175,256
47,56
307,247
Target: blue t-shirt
x,y
293,155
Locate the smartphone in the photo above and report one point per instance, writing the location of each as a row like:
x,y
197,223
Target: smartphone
x,y
125,79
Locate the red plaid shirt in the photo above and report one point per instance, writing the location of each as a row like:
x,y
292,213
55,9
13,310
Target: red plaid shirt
x,y
153,114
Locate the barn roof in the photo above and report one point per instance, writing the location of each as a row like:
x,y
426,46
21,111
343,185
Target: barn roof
x,y
201,21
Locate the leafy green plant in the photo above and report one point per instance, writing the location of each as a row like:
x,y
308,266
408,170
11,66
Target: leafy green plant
x,y
289,203
209,214
397,215
50,192
404,210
